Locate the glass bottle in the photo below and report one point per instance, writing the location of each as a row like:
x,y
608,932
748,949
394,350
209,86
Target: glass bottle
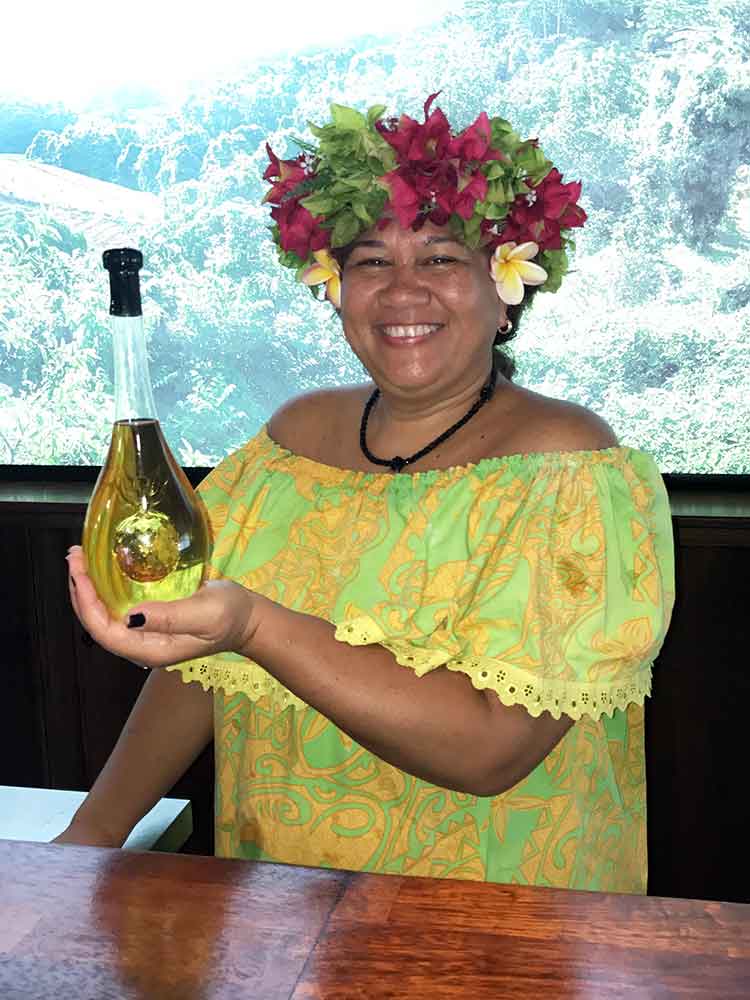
x,y
145,536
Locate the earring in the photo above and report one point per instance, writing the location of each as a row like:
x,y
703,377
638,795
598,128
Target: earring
x,y
505,330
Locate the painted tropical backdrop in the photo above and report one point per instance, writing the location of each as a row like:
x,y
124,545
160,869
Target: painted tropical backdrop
x,y
647,102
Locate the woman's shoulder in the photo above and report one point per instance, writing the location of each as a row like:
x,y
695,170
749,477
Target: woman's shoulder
x,y
323,425
535,423
311,424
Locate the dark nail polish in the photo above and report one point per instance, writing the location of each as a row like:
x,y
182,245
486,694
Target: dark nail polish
x,y
136,620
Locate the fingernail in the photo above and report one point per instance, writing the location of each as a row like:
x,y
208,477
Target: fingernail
x,y
137,620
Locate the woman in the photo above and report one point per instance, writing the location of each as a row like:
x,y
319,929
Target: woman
x,y
437,671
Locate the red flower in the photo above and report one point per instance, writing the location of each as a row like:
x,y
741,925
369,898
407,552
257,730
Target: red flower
x,y
299,230
289,172
418,144
420,193
471,189
473,144
429,182
540,215
405,200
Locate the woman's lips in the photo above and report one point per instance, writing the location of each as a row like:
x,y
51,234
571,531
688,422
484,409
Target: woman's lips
x,y
407,333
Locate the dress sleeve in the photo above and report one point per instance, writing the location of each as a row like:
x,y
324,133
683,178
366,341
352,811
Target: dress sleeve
x,y
565,598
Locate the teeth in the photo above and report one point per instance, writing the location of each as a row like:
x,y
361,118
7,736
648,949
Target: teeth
x,y
418,330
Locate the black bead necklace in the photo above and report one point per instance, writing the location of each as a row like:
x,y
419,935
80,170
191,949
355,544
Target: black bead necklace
x,y
397,463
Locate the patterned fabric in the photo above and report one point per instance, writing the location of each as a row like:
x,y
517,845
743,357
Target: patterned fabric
x,y
547,578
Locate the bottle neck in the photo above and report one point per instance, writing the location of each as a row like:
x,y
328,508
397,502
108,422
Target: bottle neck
x,y
133,397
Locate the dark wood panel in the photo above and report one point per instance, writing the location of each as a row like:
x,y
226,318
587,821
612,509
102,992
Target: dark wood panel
x,y
698,812
59,673
22,741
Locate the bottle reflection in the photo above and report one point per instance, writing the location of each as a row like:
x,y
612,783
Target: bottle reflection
x,y
165,947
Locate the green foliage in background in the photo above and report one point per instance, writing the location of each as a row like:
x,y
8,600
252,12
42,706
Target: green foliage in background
x,y
648,102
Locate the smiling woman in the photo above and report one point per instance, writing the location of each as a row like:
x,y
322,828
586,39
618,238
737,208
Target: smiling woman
x,y
439,669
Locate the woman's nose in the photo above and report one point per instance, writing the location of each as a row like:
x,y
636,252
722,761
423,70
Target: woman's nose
x,y
404,285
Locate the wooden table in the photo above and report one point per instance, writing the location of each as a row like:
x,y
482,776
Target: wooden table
x,y
79,923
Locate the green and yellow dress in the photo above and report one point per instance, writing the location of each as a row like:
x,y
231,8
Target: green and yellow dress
x,y
547,578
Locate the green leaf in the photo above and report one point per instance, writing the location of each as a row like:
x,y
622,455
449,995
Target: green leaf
x,y
345,229
348,118
496,211
304,145
319,204
555,263
495,169
472,227
496,194
289,259
375,112
362,214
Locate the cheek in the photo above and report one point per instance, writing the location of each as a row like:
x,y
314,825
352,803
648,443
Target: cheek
x,y
352,298
483,303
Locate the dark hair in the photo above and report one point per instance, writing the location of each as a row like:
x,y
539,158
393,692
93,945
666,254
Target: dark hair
x,y
503,361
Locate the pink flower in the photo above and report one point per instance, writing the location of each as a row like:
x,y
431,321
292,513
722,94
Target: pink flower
x,y
437,175
289,172
404,199
473,144
299,230
540,215
415,143
471,189
428,191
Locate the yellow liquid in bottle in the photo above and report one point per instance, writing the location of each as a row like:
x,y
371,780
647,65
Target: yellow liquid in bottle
x,y
145,536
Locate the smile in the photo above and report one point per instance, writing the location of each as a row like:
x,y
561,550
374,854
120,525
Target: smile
x,y
410,332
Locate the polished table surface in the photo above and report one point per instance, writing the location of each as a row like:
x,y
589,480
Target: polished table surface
x,y
80,923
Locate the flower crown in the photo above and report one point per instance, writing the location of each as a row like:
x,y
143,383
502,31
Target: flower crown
x,y
493,188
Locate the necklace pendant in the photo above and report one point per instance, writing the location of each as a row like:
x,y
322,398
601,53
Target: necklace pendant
x,y
397,463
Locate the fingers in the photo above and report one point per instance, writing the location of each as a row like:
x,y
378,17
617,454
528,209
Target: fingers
x,y
91,611
160,633
72,592
188,616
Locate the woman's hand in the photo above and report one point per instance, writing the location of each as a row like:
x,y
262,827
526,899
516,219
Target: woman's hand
x,y
221,616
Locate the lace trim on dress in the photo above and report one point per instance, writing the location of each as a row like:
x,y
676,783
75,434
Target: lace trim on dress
x,y
513,685
239,677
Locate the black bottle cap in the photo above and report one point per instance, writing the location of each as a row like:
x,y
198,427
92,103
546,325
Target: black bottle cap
x,y
123,265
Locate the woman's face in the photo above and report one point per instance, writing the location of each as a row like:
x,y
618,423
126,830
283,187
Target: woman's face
x,y
420,309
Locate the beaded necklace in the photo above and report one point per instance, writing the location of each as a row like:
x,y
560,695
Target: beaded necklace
x,y
397,463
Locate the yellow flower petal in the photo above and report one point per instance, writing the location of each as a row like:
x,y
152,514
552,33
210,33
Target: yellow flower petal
x,y
502,252
530,274
333,291
524,251
509,287
315,274
326,259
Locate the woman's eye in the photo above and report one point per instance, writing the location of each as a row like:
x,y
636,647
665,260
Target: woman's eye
x,y
441,260
370,262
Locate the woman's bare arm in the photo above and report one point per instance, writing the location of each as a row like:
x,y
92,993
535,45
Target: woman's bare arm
x,y
170,724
